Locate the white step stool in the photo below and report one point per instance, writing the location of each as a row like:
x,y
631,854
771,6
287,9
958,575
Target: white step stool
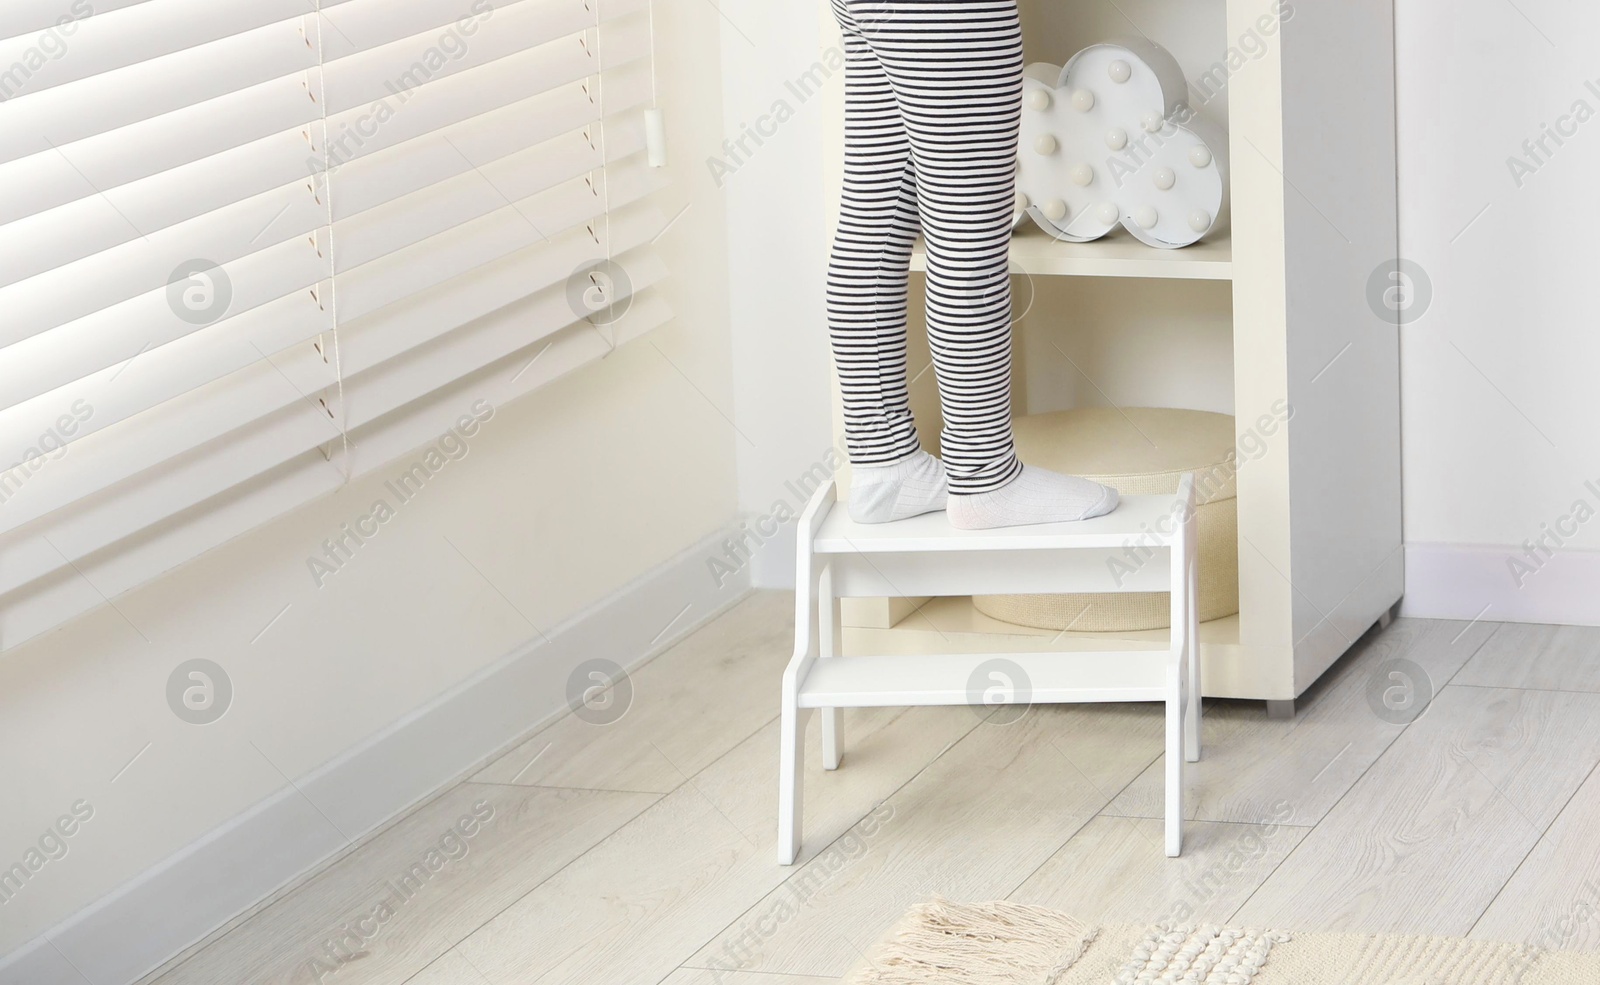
x,y
839,559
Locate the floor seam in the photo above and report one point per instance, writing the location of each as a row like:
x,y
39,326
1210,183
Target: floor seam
x,y
561,786
799,867
1578,788
1514,687
1087,821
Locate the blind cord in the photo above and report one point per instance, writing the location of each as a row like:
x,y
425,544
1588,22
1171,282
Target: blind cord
x,y
605,169
333,268
655,91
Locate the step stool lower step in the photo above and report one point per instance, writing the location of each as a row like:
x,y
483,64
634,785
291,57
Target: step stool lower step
x,y
987,679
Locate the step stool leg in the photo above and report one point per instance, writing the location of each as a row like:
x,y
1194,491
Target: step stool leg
x,y
1178,679
808,630
1192,733
831,631
1174,763
832,738
791,782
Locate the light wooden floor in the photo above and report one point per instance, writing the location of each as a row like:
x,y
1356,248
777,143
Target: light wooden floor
x,y
643,851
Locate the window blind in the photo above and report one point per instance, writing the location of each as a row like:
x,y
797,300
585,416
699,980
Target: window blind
x,y
253,249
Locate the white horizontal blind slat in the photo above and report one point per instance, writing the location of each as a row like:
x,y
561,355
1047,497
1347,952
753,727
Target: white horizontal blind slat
x,y
383,176
249,453
59,592
42,242
35,17
108,278
283,52
117,392
103,455
474,286
54,119
453,203
387,72
50,357
407,272
199,357
100,44
46,361
105,162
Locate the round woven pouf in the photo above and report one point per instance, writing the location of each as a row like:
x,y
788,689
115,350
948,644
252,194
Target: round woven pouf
x,y
1137,451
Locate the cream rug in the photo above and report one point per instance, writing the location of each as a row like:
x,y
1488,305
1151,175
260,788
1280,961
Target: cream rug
x,y
944,943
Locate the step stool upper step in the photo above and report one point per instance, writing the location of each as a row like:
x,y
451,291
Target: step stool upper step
x,y
1149,520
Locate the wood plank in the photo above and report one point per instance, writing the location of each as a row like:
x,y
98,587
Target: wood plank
x,y
1428,836
531,834
1553,902
640,904
1113,871
1251,763
1557,658
974,825
681,717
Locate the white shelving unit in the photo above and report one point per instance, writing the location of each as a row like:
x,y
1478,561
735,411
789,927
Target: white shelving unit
x,y
1275,311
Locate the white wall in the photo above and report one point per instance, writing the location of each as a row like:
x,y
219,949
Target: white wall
x,y
564,497
776,272
1499,373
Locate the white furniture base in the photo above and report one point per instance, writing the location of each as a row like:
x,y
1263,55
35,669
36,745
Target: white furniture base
x,y
1146,545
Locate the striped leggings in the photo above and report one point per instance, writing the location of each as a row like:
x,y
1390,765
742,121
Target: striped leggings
x,y
933,93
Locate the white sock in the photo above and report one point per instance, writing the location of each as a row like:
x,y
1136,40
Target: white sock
x,y
1035,496
910,487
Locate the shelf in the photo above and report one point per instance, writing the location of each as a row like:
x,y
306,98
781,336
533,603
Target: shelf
x,y
954,625
1035,252
946,679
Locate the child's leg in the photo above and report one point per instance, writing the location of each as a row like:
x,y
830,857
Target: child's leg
x,y
955,69
867,299
956,73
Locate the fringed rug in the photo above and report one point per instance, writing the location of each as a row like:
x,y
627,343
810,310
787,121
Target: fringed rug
x,y
945,943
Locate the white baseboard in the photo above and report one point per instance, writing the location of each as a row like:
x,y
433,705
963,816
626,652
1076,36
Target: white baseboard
x,y
167,909
1451,581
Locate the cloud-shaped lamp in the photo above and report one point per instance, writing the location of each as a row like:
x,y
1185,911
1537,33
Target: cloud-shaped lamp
x,y
1108,140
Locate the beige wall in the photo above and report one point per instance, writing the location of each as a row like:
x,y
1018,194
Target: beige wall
x,y
564,497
